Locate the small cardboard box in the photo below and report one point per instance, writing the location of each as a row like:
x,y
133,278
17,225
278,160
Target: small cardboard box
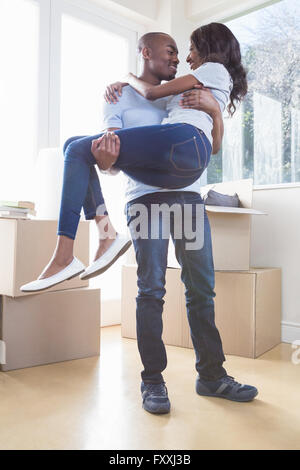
x,y
248,310
26,247
247,306
49,327
230,228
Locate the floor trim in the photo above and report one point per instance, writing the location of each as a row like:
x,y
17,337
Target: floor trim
x,y
290,332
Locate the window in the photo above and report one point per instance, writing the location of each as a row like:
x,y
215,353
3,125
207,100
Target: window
x,y
19,54
91,58
93,54
262,140
57,56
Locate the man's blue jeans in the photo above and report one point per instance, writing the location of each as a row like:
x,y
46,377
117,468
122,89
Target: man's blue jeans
x,y
198,277
167,156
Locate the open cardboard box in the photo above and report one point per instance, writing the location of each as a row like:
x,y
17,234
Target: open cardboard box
x,y
230,227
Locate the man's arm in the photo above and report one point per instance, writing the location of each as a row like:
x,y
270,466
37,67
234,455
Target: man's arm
x,y
153,92
112,121
202,99
111,171
217,132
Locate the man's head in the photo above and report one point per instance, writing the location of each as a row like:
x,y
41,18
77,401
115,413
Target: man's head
x,y
160,55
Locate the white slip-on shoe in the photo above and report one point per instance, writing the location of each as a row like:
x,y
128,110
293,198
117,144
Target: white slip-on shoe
x,y
116,249
73,269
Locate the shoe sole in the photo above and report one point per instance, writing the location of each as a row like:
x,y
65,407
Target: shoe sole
x,y
159,412
59,282
226,398
102,270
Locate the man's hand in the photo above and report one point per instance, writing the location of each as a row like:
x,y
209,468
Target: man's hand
x,y
112,90
201,99
106,150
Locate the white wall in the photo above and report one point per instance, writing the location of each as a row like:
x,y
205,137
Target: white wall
x,y
136,10
172,19
148,8
203,11
276,243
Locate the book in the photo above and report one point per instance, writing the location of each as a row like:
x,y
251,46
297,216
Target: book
x,y
16,211
18,204
3,215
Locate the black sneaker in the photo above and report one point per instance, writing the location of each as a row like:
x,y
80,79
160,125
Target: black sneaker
x,y
155,398
226,387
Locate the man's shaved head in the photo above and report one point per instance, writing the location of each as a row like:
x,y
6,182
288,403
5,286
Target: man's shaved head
x,y
151,40
159,54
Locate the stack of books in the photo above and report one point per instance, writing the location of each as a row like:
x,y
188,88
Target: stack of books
x,y
17,209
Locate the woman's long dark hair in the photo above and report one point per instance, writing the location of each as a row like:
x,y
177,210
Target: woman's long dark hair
x,y
216,43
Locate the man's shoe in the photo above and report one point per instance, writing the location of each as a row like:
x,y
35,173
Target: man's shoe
x,y
155,398
72,270
226,387
116,249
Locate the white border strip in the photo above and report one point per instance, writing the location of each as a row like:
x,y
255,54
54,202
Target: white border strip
x,y
2,352
290,332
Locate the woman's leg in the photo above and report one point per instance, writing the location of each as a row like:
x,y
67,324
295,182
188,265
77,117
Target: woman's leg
x,y
179,152
169,156
93,209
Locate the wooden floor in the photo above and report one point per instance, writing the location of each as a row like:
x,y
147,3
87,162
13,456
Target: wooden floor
x,y
95,404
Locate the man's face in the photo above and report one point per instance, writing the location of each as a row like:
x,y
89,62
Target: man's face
x,y
163,58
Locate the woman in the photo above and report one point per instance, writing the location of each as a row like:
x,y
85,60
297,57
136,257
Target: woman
x,y
175,153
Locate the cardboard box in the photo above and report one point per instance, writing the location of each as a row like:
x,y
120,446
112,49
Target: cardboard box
x,y
50,327
230,228
247,306
248,310
26,247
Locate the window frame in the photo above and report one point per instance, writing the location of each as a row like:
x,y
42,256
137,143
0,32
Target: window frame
x,y
247,9
51,11
90,13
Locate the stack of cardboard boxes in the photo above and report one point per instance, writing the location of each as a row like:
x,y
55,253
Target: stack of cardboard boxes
x,y
58,324
248,300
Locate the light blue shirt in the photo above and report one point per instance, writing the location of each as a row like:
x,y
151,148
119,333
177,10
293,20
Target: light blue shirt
x,y
133,110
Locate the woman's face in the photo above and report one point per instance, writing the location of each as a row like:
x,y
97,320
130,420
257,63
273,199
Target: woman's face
x,y
193,58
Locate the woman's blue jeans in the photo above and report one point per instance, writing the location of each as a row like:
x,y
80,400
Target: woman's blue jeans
x,y
168,156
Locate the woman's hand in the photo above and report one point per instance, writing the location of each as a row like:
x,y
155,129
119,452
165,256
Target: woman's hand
x,y
201,99
112,90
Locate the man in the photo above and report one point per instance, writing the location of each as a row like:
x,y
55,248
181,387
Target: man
x,y
132,110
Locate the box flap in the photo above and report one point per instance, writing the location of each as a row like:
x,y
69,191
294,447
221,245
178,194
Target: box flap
x,y
234,210
249,271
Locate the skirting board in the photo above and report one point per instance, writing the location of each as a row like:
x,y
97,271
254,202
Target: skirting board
x,y
290,332
110,312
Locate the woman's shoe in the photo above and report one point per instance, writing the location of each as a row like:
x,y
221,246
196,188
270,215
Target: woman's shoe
x,y
116,249
72,270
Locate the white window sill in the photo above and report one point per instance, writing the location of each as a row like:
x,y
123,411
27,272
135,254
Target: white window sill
x,y
276,186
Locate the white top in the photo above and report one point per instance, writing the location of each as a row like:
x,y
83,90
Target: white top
x,y
214,76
